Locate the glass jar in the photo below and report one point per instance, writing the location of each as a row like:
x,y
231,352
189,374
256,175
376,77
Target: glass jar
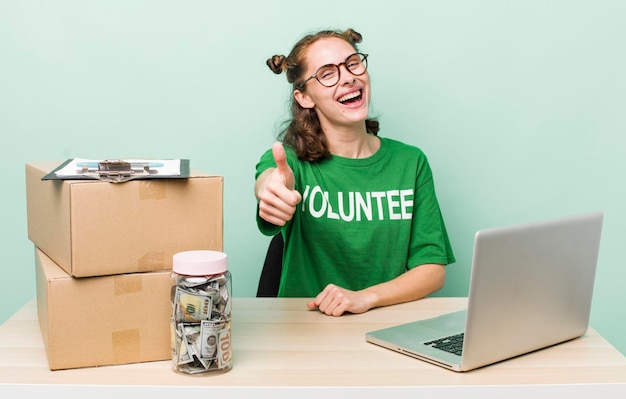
x,y
201,312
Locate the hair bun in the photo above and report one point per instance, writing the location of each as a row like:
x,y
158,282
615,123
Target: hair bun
x,y
353,36
276,63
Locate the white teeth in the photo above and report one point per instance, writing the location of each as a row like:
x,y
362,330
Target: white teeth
x,y
349,96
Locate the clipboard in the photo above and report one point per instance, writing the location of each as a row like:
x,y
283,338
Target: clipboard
x,y
119,170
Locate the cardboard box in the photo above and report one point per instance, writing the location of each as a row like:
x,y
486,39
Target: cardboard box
x,y
98,321
95,228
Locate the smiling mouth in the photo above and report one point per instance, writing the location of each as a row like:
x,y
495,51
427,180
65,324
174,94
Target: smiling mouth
x,y
351,97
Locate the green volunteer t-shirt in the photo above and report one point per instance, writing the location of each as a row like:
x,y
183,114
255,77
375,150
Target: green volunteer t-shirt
x,y
361,221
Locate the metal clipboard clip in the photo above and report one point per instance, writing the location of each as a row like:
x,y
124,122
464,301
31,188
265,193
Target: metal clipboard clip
x,y
118,171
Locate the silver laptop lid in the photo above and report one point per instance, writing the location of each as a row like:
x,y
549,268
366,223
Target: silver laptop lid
x,y
532,288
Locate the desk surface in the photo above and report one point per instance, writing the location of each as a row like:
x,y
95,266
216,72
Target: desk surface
x,y
278,343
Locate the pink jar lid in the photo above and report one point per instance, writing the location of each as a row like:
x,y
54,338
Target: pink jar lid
x,y
200,263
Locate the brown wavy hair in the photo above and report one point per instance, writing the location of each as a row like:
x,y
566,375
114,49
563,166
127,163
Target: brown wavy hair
x,y
303,132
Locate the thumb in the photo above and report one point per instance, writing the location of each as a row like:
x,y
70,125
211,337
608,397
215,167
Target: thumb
x,y
281,164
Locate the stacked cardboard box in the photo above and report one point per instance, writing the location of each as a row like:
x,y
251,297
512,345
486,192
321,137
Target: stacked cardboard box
x,y
103,255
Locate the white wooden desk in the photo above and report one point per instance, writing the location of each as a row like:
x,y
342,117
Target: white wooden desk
x,y
283,350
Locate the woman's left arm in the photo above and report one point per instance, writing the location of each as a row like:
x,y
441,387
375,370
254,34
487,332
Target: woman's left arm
x,y
414,284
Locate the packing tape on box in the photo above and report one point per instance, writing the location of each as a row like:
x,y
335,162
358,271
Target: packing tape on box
x,y
152,190
127,284
151,261
126,345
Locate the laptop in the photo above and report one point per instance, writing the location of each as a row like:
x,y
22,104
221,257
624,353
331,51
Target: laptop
x,y
531,287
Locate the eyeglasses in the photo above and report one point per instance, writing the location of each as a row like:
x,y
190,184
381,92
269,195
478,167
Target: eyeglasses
x,y
328,75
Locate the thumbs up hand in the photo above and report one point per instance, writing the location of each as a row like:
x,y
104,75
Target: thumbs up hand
x,y
283,167
275,190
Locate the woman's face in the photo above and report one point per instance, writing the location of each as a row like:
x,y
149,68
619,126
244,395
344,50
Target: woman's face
x,y
346,104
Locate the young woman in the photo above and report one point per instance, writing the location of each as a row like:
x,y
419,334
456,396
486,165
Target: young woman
x,y
358,212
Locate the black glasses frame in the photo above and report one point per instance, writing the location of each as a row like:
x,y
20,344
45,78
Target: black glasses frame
x,y
338,67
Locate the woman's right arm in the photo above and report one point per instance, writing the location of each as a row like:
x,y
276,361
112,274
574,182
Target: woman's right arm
x,y
274,190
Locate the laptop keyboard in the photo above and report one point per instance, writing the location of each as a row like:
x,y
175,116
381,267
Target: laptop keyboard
x,y
452,344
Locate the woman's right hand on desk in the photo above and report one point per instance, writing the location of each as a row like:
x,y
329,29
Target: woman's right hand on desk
x,y
275,190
